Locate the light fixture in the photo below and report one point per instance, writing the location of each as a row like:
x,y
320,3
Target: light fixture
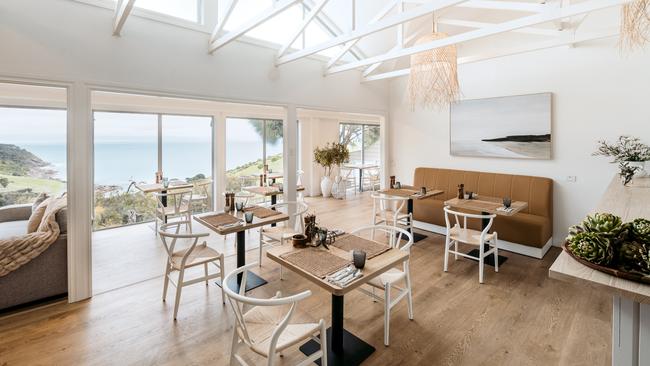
x,y
433,79
635,24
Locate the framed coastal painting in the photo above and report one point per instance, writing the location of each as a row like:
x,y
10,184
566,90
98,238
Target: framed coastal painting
x,y
505,127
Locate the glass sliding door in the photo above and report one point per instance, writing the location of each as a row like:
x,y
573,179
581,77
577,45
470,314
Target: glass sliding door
x,y
371,145
131,147
351,135
126,151
251,144
187,155
32,153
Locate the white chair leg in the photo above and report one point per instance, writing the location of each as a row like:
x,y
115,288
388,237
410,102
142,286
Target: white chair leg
x,y
205,270
409,297
222,269
386,314
446,260
179,289
323,342
261,244
496,253
480,267
166,283
456,250
233,348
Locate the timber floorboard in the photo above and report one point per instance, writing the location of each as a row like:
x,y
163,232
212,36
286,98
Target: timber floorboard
x,y
518,317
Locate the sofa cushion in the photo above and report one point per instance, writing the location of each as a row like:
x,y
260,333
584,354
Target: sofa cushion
x,y
37,216
531,230
13,228
40,199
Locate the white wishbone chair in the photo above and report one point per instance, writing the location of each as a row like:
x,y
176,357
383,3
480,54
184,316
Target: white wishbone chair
x,y
460,233
390,210
266,327
178,205
401,239
178,260
284,231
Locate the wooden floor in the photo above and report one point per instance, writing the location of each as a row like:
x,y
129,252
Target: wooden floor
x,y
518,317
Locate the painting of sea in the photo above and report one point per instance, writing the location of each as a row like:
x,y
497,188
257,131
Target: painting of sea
x,y
504,127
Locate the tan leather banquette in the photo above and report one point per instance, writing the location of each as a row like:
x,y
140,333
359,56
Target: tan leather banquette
x,y
532,227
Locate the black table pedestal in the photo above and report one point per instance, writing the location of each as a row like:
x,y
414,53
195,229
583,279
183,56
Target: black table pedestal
x,y
416,236
343,347
253,281
274,200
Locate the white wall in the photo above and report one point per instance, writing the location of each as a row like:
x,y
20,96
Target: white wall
x,y
597,94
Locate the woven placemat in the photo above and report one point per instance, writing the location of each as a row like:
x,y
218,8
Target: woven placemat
x,y
352,242
402,192
262,212
220,219
317,262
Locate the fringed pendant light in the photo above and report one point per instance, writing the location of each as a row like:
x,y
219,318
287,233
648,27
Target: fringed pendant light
x,y
433,80
635,24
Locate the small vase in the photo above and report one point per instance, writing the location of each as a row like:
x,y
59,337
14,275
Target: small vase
x,y
326,186
643,168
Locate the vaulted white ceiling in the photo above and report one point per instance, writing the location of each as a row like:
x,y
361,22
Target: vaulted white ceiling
x,y
377,36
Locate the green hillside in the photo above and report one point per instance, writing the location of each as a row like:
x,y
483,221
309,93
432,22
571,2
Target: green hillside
x,y
17,161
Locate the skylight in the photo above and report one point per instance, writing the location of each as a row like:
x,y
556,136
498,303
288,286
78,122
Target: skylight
x,y
183,9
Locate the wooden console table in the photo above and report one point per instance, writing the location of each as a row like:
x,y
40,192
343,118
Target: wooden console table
x,y
631,300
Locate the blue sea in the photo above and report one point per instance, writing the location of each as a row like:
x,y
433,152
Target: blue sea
x,y
119,163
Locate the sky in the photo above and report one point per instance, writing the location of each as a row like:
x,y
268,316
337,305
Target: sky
x,y
499,117
32,126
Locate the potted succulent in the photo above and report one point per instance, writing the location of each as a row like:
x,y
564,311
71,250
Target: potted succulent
x,y
330,156
629,153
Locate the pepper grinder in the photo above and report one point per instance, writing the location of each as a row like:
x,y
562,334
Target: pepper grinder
x,y
392,181
461,191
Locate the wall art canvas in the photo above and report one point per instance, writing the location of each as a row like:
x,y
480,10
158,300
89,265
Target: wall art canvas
x,y
505,127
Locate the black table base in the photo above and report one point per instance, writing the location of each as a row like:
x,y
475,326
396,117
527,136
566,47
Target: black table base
x,y
416,236
253,281
355,350
343,347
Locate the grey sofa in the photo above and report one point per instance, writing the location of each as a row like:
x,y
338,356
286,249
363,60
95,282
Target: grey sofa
x,y
44,277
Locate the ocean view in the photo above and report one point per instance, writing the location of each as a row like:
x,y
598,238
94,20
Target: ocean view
x,y
119,163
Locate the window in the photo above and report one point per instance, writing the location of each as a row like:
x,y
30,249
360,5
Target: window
x,y
184,9
251,144
131,147
363,142
32,153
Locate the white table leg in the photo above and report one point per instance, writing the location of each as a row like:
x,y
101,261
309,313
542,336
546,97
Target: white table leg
x,y
625,332
644,334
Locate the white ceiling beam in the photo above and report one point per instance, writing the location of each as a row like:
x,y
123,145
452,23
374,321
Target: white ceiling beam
x,y
548,16
332,28
497,5
260,18
394,20
564,41
305,22
380,15
420,31
222,23
473,24
122,10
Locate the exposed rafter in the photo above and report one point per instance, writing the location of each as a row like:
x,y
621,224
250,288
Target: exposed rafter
x,y
420,32
547,16
380,15
394,20
497,5
331,28
305,22
267,14
473,24
562,41
222,23
122,10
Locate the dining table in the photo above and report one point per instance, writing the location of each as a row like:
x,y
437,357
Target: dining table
x,y
344,348
361,168
487,205
148,188
411,193
224,223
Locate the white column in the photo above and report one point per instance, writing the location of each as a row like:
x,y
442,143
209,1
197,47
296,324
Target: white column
x,y
219,159
80,192
290,137
384,164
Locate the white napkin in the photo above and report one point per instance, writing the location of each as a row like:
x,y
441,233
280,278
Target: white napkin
x,y
343,277
228,226
504,209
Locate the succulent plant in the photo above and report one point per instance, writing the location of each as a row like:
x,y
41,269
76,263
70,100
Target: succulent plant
x,y
593,247
603,223
639,230
634,256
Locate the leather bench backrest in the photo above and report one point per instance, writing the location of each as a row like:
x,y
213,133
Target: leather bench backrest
x,y
537,191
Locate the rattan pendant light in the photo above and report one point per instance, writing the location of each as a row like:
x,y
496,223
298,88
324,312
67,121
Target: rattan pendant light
x,y
433,80
635,24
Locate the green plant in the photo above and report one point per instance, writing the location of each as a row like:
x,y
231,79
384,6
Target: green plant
x,y
333,154
626,148
593,247
640,230
634,256
604,224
